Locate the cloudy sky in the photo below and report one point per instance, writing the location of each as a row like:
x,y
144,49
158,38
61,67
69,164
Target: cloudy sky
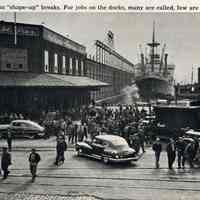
x,y
180,32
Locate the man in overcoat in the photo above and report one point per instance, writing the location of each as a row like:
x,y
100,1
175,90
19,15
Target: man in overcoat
x,y
157,148
34,159
5,162
61,147
171,153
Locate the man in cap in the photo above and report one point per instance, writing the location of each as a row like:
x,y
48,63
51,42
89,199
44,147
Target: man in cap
x,y
34,159
157,148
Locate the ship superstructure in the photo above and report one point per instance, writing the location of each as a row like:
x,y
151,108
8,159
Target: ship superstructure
x,y
153,75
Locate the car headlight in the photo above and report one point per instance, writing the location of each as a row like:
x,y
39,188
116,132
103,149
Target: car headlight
x,y
116,156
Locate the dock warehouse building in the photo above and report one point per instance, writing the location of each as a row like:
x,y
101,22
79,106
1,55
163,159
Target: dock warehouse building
x,y
111,67
41,70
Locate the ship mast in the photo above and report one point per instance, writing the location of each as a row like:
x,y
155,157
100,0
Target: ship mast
x,y
153,45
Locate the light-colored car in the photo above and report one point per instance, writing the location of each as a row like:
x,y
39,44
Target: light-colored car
x,y
108,148
193,133
23,129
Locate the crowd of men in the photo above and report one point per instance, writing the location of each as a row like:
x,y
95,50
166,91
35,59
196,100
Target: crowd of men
x,y
78,125
185,149
88,121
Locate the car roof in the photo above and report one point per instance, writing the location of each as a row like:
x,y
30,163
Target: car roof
x,y
25,121
110,138
192,132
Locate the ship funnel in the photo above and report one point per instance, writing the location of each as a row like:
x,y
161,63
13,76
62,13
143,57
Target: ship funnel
x,y
165,69
142,59
166,56
142,62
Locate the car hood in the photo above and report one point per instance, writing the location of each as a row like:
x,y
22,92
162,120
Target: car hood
x,y
83,144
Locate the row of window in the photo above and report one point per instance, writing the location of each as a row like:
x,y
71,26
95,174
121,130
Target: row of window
x,y
12,66
64,70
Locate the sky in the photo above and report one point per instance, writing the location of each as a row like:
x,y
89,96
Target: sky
x,y
179,31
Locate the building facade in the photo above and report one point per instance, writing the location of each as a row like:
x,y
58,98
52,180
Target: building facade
x,y
190,90
35,48
41,69
116,78
110,67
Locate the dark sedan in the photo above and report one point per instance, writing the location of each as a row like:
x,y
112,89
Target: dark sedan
x,y
108,148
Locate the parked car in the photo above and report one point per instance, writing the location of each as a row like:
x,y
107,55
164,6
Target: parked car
x,y
193,133
108,148
23,129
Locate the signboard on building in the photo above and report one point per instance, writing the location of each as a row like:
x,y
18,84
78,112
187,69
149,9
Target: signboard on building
x,y
21,29
62,41
13,59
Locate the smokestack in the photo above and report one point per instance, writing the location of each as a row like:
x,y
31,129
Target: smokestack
x,y
166,55
192,76
198,75
142,59
142,62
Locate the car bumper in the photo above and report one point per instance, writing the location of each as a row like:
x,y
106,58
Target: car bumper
x,y
119,160
41,134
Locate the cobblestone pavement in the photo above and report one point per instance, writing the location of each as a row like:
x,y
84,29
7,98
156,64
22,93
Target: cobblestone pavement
x,y
83,178
20,143
23,144
24,196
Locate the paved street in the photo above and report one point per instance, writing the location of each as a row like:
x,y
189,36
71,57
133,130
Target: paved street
x,y
82,178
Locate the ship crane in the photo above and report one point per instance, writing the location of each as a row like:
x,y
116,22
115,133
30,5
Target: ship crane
x,y
162,56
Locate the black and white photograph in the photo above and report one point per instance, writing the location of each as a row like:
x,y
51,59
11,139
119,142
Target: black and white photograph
x,y
99,106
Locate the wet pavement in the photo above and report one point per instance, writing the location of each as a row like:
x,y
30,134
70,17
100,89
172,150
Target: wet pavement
x,y
83,178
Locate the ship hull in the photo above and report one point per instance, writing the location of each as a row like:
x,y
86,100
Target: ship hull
x,y
152,88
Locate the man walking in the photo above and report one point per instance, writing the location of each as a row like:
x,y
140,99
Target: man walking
x,y
61,147
9,139
189,152
180,147
5,162
85,130
142,138
34,159
171,153
157,148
